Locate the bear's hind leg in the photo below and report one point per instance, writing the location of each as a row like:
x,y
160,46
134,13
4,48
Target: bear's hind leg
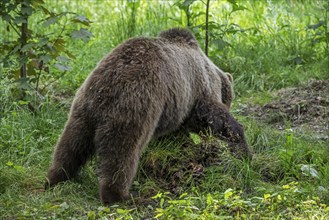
x,y
119,149
73,149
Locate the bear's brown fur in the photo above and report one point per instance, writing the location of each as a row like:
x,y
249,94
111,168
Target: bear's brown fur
x,y
146,87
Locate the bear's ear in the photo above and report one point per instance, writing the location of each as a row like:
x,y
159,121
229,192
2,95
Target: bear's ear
x,y
230,77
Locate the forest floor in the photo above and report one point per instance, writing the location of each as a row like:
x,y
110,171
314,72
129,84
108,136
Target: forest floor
x,y
303,107
299,110
181,176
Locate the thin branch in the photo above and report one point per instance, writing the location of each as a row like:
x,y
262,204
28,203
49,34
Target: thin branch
x,y
24,33
61,32
14,28
326,27
207,28
51,82
38,78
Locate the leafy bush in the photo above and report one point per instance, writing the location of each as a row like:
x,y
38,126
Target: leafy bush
x,y
27,56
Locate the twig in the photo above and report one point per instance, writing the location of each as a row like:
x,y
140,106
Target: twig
x,y
207,28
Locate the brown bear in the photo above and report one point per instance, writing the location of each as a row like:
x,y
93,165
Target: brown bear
x,y
146,87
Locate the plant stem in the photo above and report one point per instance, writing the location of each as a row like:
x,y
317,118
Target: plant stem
x,y
207,27
24,32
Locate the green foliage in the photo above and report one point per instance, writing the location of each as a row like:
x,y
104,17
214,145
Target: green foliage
x,y
28,55
195,138
233,204
286,42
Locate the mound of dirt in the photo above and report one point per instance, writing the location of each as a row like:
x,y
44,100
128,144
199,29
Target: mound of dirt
x,y
306,106
176,172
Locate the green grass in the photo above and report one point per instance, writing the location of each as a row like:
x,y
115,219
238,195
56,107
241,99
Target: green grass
x,y
182,177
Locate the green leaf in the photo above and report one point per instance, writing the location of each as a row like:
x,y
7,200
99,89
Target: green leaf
x,y
12,7
50,20
228,193
45,58
195,15
22,102
220,44
27,10
161,202
159,195
19,168
62,67
82,34
266,196
308,170
184,5
9,163
238,8
123,211
82,19
183,195
64,206
59,46
69,54
16,48
42,42
23,83
209,199
91,215
62,59
19,20
160,214
27,47
235,6
316,26
188,2
6,17
195,138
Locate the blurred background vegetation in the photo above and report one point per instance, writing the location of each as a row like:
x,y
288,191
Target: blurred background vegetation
x,y
264,44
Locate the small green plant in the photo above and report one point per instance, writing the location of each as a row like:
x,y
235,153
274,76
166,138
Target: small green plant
x,y
16,167
232,203
195,138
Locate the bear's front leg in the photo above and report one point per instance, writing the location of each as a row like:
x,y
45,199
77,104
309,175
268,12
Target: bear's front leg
x,y
214,115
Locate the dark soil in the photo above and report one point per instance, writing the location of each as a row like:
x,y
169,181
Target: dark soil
x,y
305,107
